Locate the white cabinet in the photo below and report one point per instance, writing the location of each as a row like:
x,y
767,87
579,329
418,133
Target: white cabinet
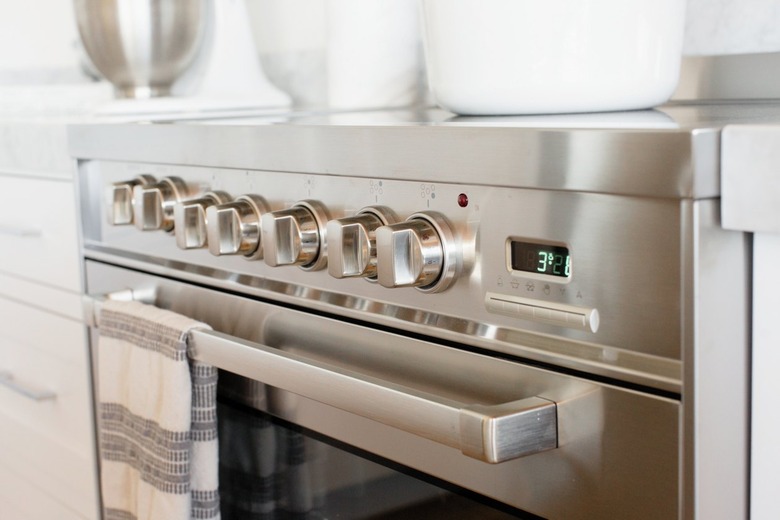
x,y
38,231
48,465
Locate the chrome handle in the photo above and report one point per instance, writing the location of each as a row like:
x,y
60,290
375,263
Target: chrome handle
x,y
189,219
120,199
91,306
19,231
296,236
8,381
153,203
491,433
352,242
234,227
420,252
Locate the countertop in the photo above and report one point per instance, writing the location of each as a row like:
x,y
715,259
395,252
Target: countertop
x,y
671,151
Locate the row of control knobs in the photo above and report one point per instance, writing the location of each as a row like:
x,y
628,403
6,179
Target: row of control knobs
x,y
373,244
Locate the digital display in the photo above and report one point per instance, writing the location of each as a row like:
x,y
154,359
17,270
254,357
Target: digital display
x,y
540,259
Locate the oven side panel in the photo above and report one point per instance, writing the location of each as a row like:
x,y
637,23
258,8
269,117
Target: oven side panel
x,y
716,358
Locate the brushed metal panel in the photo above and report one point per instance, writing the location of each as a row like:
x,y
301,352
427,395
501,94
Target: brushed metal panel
x,y
625,254
619,161
617,453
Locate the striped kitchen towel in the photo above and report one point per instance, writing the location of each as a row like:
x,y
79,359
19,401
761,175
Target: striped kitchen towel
x,y
157,417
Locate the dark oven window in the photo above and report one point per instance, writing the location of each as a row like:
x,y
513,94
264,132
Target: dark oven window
x,y
270,469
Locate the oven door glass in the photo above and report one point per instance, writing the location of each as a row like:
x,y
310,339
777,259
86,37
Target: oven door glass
x,y
272,469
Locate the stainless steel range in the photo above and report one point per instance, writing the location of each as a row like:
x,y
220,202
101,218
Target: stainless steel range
x,y
540,314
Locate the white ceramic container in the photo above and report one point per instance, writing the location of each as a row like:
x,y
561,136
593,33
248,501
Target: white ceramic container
x,y
552,56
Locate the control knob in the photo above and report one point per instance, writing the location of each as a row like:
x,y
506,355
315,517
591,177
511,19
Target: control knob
x,y
120,199
234,228
419,252
153,203
352,242
189,218
296,236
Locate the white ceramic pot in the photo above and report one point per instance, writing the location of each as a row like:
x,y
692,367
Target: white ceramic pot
x,y
552,56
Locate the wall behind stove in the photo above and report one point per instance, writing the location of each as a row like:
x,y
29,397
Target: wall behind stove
x,y
38,42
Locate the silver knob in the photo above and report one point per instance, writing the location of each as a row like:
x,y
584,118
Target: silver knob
x,y
153,203
189,219
419,252
234,228
296,236
352,242
120,199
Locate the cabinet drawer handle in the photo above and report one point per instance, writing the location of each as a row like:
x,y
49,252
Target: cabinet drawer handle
x,y
7,380
19,231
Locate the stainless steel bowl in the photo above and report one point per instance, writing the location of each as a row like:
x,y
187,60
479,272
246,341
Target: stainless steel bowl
x,y
141,46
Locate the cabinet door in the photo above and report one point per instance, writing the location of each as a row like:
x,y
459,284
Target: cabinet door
x,y
21,499
38,232
46,419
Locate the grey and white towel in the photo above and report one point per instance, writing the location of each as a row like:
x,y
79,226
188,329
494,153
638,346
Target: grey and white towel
x,y
157,417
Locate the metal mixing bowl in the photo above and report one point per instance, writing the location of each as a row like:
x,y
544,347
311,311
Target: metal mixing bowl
x,y
141,46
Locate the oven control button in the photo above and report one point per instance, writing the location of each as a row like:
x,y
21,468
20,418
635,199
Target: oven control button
x,y
153,203
562,315
189,219
234,228
296,236
120,199
352,242
419,252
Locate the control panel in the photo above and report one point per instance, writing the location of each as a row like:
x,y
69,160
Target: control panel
x,y
594,268
421,251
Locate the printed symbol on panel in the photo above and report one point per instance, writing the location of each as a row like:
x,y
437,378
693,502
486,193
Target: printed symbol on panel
x,y
500,282
579,295
515,284
530,287
563,290
428,191
547,289
375,188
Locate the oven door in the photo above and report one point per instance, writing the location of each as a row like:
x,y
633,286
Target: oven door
x,y
321,417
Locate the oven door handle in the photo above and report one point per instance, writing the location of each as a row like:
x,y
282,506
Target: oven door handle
x,y
491,433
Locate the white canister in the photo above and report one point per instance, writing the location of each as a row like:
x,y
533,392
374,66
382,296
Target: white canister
x,y
494,57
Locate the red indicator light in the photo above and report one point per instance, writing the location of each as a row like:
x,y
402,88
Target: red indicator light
x,y
463,200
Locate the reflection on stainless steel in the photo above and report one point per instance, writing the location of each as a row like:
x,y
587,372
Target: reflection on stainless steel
x,y
352,242
491,433
189,219
234,227
633,341
141,46
121,199
651,371
598,446
297,236
153,203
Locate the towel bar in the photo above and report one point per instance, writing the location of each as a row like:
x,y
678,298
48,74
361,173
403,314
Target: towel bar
x,y
491,433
